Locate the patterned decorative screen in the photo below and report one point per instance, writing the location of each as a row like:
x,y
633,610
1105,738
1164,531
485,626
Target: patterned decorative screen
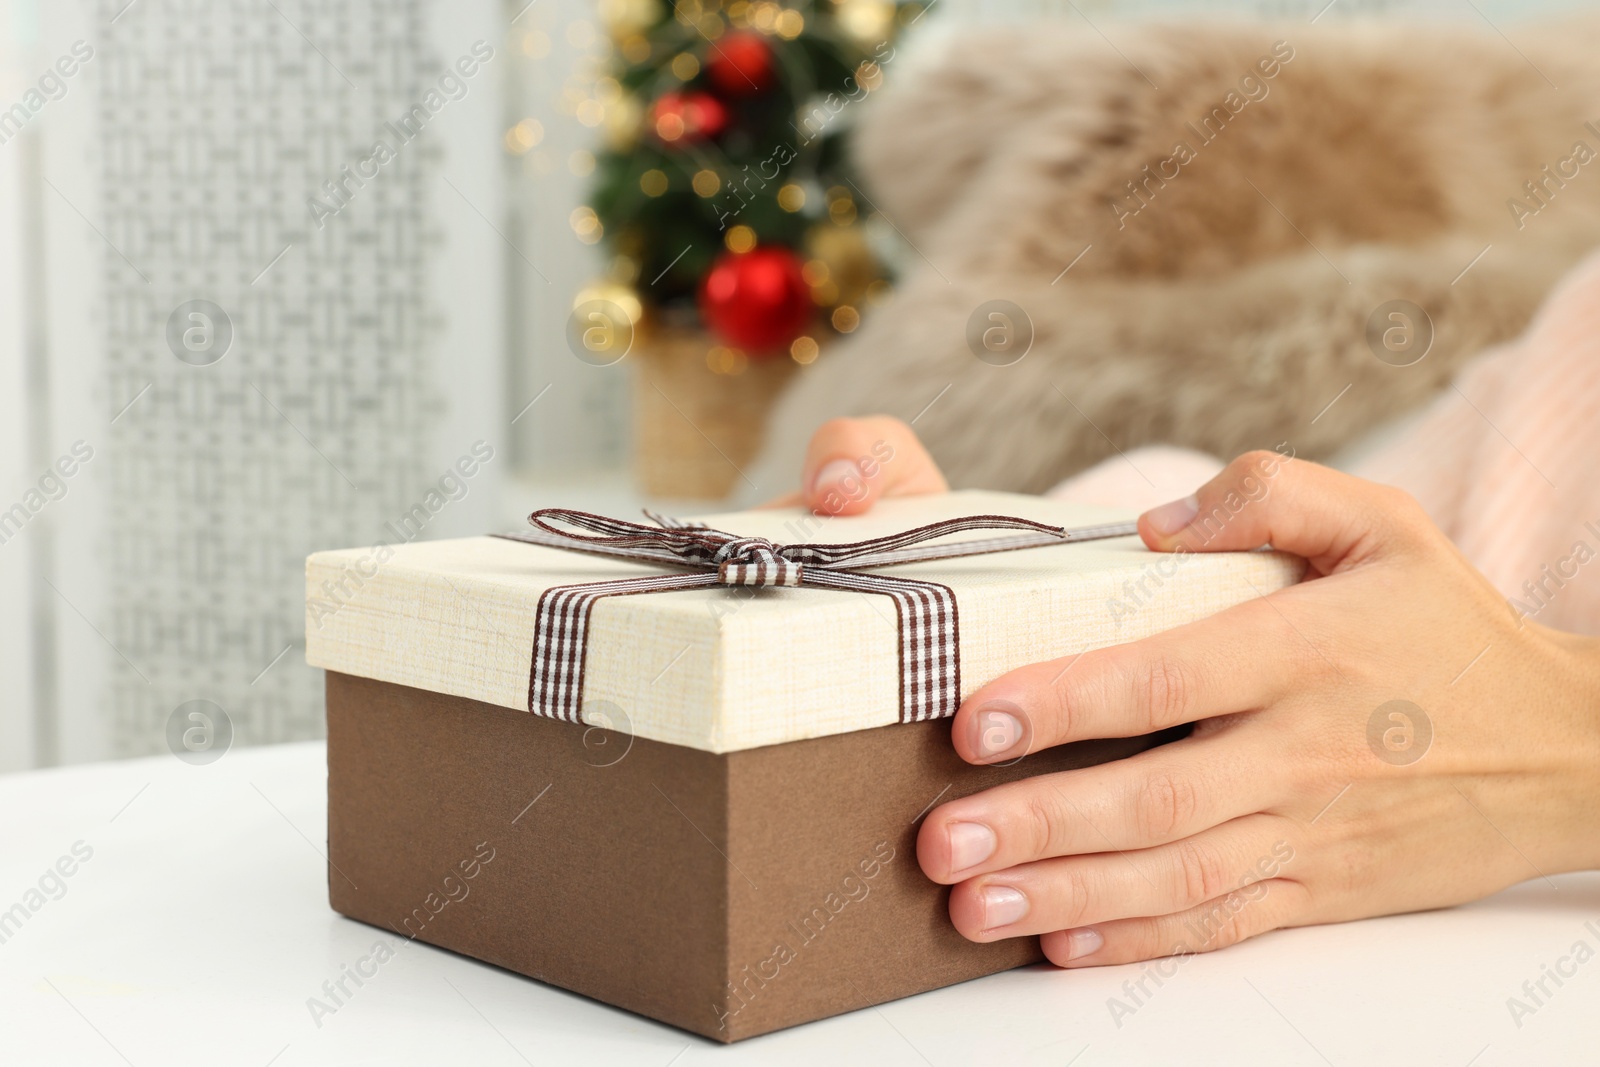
x,y
273,319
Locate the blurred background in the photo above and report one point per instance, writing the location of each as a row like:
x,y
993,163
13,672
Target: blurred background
x,y
271,269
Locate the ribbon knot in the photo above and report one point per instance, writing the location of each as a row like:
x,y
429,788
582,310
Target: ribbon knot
x,y
757,562
929,649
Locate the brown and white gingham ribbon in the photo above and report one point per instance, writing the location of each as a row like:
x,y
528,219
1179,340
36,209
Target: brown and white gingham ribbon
x,y
930,660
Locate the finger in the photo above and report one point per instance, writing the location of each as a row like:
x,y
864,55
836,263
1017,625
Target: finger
x,y
1235,661
1227,920
787,500
850,463
1334,520
1078,891
1166,794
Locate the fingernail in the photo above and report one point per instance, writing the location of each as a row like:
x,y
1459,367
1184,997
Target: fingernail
x,y
1002,906
998,729
1168,519
836,473
970,844
1083,942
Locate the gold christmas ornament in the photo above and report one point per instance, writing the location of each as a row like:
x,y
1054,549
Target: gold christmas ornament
x,y
846,259
824,291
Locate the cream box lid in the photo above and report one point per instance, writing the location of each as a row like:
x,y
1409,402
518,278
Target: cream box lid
x,y
730,668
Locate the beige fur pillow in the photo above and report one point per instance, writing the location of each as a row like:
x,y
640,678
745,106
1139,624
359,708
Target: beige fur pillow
x,y
1298,179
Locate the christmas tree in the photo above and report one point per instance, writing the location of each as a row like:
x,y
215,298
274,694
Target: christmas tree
x,y
724,194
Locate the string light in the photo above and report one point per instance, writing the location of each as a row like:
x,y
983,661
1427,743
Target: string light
x,y
706,183
685,66
669,126
535,45
723,360
636,48
842,210
653,182
586,224
791,197
867,21
523,136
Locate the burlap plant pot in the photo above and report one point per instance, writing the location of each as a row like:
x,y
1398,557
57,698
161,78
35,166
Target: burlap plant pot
x,y
700,411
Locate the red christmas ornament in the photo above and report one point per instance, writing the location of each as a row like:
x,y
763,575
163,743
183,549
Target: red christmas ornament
x,y
757,300
689,116
741,64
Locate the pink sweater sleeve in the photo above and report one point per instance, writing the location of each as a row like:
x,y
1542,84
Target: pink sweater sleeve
x,y
1505,460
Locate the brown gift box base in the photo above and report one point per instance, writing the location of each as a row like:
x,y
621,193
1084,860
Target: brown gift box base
x,y
729,895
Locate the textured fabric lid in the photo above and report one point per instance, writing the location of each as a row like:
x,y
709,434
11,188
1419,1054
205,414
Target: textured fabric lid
x,y
727,668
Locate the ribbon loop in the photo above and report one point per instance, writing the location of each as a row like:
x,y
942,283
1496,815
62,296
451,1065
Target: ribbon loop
x,y
746,550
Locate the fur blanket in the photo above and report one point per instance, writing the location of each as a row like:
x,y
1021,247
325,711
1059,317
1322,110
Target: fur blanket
x,y
1248,196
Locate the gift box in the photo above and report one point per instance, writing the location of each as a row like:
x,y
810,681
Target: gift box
x,y
681,769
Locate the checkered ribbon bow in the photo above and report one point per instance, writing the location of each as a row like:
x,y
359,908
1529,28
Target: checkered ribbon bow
x,y
930,661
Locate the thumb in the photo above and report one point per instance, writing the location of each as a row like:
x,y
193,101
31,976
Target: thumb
x,y
850,463
1333,520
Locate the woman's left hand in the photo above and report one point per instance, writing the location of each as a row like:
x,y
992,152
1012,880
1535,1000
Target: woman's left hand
x,y
1385,736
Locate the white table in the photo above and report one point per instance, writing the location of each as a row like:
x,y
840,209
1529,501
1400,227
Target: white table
x,y
199,928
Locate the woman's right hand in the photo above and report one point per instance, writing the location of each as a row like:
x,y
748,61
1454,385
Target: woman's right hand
x,y
851,463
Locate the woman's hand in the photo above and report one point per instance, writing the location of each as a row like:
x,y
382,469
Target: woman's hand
x,y
850,463
1386,736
